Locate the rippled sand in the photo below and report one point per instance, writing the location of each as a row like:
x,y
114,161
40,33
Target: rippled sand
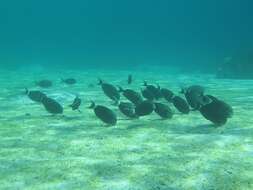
x,y
76,151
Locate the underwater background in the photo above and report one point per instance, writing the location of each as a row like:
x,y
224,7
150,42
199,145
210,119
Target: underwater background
x,y
111,33
172,44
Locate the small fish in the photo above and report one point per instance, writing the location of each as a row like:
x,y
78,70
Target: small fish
x,y
44,83
90,85
129,79
76,104
69,81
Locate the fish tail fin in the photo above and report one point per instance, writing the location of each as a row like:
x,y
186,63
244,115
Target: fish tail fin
x,y
117,102
42,98
145,83
26,91
120,89
100,81
173,99
182,91
93,105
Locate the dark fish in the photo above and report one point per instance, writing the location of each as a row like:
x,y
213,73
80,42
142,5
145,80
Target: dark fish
x,y
147,94
110,91
216,111
211,97
76,104
52,106
104,114
131,95
181,105
154,90
194,96
167,94
127,109
163,111
69,81
35,95
194,88
44,83
144,108
129,79
91,85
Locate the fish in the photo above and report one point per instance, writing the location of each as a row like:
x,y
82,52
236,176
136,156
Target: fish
x,y
131,95
163,110
69,81
110,91
76,104
35,95
144,108
44,83
129,79
104,114
128,109
181,105
52,106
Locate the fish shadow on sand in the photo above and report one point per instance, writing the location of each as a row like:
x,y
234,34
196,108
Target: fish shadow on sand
x,y
201,129
135,126
247,131
71,118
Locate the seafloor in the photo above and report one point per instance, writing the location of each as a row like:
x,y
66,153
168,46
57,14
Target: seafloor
x,y
43,152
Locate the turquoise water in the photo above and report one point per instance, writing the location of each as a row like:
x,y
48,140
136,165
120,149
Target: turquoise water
x,y
173,44
190,33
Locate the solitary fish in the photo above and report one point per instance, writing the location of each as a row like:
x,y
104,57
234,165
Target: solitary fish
x,y
76,104
35,95
52,106
69,81
129,79
104,114
110,91
44,83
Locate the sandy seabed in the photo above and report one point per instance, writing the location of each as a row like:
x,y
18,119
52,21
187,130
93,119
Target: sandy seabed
x,y
76,151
